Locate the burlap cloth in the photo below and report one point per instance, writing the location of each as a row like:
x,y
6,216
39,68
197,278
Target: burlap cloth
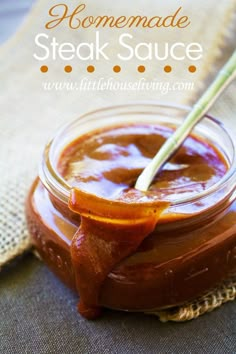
x,y
30,115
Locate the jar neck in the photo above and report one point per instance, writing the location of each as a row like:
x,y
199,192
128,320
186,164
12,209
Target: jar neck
x,y
196,220
168,221
184,209
208,129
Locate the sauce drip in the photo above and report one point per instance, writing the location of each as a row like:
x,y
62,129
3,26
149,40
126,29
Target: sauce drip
x,y
108,233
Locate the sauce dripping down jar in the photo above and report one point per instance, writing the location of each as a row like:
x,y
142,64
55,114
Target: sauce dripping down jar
x,y
165,251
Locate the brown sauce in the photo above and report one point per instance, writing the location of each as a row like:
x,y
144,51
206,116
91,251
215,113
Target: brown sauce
x,y
108,162
118,222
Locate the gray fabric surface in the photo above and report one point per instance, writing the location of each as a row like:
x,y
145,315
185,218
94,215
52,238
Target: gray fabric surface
x,y
36,318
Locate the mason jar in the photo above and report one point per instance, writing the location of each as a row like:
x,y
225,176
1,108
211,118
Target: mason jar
x,y
193,246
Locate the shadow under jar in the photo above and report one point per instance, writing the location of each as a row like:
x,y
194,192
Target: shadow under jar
x,y
124,249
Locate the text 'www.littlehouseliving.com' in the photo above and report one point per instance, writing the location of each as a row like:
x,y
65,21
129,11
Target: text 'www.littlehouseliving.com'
x,y
111,84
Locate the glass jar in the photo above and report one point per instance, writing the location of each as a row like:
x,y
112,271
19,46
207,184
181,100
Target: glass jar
x,y
184,257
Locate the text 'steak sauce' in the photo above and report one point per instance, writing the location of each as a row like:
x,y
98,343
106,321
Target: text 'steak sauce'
x,y
125,249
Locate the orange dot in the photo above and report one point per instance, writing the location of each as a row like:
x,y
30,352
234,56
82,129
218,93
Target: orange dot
x,y
167,68
116,69
68,69
192,69
90,69
44,68
141,68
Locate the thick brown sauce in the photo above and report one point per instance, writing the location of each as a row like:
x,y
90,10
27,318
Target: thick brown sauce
x,y
105,165
108,162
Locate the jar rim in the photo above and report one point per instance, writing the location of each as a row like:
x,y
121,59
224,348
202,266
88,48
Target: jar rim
x,y
59,187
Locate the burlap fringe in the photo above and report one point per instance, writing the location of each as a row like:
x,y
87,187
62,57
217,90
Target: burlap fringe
x,y
207,303
23,247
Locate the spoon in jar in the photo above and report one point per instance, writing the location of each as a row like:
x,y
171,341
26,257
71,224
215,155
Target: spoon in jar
x,y
223,79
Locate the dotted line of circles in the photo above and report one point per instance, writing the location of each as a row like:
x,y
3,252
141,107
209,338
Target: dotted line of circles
x,y
117,69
